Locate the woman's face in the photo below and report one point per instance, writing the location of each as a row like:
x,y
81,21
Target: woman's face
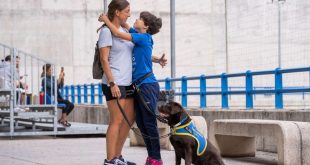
x,y
49,71
124,14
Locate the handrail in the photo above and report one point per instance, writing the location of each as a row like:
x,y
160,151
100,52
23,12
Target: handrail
x,y
224,90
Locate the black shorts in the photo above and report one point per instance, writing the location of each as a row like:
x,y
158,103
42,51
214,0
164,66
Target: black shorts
x,y
126,92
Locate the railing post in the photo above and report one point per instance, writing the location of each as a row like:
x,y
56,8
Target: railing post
x,y
168,84
203,88
67,92
249,89
278,89
224,86
85,93
92,93
100,100
184,91
79,93
72,94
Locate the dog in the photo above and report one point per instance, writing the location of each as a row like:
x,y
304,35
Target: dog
x,y
185,135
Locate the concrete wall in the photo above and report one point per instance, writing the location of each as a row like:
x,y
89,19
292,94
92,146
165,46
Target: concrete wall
x,y
100,115
207,40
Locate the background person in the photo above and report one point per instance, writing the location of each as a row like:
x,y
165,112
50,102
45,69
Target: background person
x,y
48,84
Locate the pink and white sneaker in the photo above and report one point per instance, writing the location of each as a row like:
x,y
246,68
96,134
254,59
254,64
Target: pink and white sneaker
x,y
148,161
156,162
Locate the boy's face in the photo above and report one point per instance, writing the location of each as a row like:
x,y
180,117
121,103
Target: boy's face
x,y
139,25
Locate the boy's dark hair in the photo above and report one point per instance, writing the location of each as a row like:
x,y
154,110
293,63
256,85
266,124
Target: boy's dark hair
x,y
151,21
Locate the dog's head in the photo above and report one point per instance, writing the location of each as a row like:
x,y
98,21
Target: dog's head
x,y
169,109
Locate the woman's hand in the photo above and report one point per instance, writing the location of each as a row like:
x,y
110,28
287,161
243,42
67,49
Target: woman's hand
x,y
61,75
103,18
115,91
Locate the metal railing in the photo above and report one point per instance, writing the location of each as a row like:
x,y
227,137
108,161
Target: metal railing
x,y
82,93
249,91
24,105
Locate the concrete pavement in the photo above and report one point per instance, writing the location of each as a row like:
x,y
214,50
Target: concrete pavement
x,y
46,150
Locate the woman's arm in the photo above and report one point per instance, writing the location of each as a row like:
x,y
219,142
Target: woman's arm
x,y
60,80
104,60
114,30
104,56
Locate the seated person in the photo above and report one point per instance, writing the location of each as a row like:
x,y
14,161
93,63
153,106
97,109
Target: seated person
x,y
6,74
49,81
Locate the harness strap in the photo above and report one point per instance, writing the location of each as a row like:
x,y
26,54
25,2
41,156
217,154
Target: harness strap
x,y
180,123
140,80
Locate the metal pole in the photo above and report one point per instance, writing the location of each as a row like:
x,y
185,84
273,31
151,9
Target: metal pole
x,y
55,101
226,38
279,33
172,39
105,6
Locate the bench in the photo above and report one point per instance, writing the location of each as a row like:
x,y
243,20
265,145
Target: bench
x,y
136,140
236,138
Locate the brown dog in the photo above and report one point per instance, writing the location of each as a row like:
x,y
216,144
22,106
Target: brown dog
x,y
185,146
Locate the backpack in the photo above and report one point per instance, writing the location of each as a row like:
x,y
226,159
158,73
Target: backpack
x,y
97,68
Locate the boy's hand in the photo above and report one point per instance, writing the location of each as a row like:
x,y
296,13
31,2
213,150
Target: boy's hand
x,y
162,61
103,18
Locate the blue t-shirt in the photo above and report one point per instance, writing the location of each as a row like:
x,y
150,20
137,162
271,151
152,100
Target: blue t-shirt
x,y
142,56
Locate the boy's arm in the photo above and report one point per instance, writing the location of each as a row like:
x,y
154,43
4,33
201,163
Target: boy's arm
x,y
162,61
114,30
126,26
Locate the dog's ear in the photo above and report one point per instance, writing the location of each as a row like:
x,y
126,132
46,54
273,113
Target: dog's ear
x,y
175,107
162,96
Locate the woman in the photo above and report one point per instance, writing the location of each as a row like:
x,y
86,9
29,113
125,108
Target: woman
x,y
116,61
48,84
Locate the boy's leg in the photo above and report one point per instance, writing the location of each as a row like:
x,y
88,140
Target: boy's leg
x,y
150,93
140,115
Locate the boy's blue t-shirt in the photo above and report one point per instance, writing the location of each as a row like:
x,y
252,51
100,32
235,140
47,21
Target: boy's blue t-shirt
x,y
142,56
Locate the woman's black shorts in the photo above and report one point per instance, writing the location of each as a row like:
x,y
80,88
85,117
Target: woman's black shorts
x,y
126,92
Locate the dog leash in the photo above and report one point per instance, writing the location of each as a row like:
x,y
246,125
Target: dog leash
x,y
133,129
136,85
161,119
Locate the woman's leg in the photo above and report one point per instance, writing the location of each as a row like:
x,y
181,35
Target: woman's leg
x,y
69,106
64,110
113,132
128,107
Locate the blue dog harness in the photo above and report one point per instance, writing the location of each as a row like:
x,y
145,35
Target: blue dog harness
x,y
190,129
